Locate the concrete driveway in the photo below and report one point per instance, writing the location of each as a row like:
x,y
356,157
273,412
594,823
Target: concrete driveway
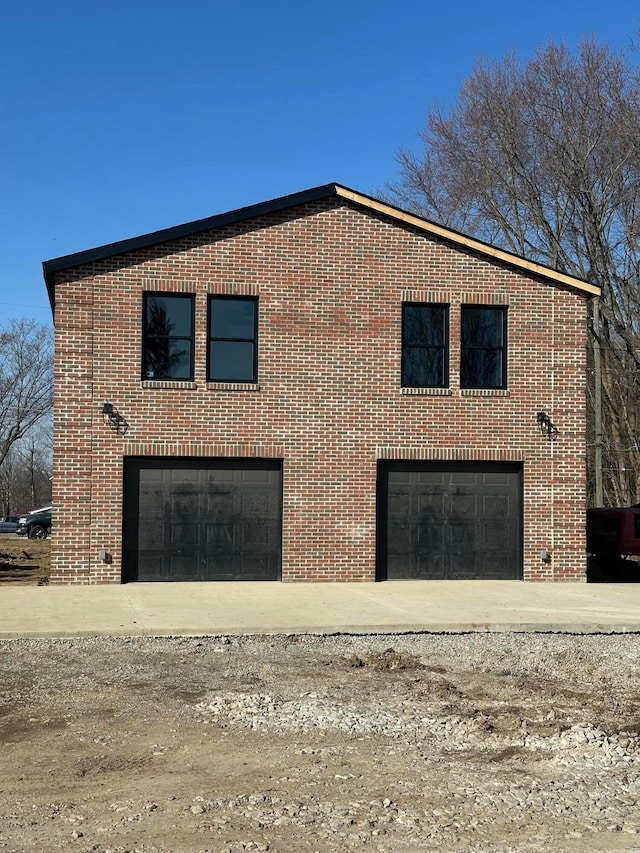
x,y
269,608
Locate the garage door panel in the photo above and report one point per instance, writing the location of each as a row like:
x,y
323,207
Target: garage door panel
x,y
149,499
428,569
462,478
496,535
220,476
495,506
461,537
183,568
255,477
397,535
256,534
426,478
397,562
428,503
429,537
183,534
257,504
460,557
498,478
217,500
219,534
454,520
461,566
152,531
257,566
184,476
202,520
184,504
399,503
152,566
463,506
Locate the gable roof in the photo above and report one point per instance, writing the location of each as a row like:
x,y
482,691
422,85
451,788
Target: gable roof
x,y
51,267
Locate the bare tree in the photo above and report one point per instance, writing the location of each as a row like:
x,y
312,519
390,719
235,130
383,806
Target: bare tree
x,y
543,159
26,380
35,470
8,471
25,474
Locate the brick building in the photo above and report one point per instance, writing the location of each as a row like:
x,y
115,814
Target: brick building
x,y
317,388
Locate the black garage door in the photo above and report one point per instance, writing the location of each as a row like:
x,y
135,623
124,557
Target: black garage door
x,y
446,520
202,519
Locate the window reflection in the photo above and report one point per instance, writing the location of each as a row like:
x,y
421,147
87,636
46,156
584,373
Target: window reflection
x,y
233,338
424,345
483,347
168,337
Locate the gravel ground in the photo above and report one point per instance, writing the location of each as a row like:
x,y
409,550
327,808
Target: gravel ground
x,y
475,742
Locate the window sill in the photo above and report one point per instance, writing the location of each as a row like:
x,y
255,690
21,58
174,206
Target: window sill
x,y
233,386
182,384
484,392
427,392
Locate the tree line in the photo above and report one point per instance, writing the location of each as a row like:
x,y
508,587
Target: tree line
x,y
26,399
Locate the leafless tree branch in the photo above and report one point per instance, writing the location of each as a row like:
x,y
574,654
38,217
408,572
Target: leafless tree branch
x,y
543,159
26,380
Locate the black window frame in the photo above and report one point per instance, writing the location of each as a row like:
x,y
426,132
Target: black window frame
x,y
218,297
146,337
444,347
501,348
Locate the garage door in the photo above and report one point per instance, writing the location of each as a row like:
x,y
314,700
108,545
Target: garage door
x,y
449,520
202,520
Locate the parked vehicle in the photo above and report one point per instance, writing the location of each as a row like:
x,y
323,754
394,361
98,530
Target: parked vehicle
x,y
35,525
614,531
613,536
8,524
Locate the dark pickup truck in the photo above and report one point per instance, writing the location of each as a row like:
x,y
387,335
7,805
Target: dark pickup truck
x,y
613,535
35,525
614,531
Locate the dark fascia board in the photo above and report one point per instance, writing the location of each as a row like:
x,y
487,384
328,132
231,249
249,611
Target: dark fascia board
x,y
165,235
315,194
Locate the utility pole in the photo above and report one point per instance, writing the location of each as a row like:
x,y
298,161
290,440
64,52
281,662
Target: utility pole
x,y
597,401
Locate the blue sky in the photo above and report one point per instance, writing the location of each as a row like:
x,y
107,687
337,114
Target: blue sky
x,y
123,117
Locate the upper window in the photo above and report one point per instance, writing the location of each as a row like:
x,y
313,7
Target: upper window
x,y
425,342
483,356
167,338
233,339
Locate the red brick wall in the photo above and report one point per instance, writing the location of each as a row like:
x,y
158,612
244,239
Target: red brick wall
x,y
330,279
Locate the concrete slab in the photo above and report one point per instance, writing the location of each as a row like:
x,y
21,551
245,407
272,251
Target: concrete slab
x,y
270,608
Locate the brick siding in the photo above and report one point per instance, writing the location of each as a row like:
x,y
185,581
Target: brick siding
x,y
330,278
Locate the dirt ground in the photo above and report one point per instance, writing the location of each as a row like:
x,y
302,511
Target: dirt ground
x,y
24,560
478,742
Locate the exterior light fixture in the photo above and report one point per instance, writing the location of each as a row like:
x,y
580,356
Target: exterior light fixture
x,y
113,419
546,426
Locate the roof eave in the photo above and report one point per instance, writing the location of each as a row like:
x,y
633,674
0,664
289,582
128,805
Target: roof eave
x,y
187,229
51,267
472,243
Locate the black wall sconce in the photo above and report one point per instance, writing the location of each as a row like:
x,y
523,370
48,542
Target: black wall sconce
x,y
547,428
113,419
